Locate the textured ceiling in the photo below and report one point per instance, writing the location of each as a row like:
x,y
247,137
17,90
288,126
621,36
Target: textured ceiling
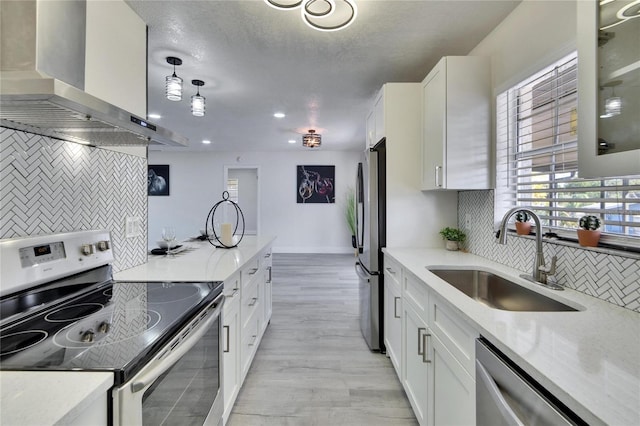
x,y
256,60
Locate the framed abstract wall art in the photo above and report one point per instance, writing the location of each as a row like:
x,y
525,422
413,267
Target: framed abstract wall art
x,y
316,184
158,179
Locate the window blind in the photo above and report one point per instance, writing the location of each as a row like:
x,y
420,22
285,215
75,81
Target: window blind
x,y
537,160
232,189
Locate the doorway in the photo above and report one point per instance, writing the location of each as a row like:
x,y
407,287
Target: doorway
x,y
243,186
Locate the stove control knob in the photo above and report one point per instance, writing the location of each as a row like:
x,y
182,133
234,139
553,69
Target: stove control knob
x,y
88,336
104,327
87,249
103,245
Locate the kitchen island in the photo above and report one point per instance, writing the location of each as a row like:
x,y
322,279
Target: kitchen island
x,y
46,398
200,261
589,359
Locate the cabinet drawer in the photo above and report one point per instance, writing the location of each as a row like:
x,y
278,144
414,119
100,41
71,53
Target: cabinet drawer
x,y
393,272
456,335
416,294
249,272
250,301
267,257
250,341
232,286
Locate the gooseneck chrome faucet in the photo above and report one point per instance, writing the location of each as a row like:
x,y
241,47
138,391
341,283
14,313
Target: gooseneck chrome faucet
x,y
540,272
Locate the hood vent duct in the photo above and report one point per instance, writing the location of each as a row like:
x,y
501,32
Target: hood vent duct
x,y
44,75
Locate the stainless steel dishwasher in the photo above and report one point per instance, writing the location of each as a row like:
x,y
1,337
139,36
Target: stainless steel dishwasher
x,y
506,395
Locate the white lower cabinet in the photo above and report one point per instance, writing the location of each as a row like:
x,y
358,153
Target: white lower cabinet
x,y
231,352
267,265
393,322
417,373
245,316
454,396
436,349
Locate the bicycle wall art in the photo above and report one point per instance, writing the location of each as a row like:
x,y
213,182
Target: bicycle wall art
x,y
316,184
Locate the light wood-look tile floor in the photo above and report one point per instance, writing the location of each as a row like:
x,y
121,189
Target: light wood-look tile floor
x,y
313,366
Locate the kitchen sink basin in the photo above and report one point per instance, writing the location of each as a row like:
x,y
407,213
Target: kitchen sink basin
x,y
498,292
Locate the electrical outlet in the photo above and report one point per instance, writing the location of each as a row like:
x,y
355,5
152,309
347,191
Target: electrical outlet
x,y
467,221
133,227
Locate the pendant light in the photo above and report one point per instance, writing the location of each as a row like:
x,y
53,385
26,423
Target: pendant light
x,y
312,139
173,82
197,101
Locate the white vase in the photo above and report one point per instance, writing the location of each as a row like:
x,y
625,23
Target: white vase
x,y
451,245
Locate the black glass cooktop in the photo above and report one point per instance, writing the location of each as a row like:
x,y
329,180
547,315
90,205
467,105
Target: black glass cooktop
x,y
112,326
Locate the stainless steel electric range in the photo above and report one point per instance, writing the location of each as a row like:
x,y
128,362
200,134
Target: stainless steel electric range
x,y
61,310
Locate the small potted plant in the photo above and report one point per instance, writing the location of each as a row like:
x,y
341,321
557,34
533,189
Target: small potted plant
x,y
588,235
523,226
453,237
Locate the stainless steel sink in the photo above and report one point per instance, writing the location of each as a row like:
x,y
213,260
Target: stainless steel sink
x,y
498,292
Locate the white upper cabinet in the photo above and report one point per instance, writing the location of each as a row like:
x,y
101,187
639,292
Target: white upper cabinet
x,y
456,126
371,129
376,120
609,68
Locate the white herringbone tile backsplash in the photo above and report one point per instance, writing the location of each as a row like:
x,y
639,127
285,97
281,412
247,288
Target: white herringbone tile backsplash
x,y
49,186
615,279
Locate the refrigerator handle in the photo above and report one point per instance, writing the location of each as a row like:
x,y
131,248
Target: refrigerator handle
x,y
360,206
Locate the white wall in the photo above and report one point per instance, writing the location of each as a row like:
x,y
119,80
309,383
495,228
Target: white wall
x,y
197,182
535,34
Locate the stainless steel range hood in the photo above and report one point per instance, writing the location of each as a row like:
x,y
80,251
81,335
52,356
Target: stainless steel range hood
x,y
54,108
42,79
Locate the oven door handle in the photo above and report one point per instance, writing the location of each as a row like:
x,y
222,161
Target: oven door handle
x,y
160,365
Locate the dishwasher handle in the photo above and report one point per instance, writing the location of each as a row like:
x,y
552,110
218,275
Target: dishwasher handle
x,y
509,417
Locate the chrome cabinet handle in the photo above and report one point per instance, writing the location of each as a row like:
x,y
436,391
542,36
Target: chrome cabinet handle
x,y
438,169
235,291
253,271
254,300
268,255
253,340
226,330
424,348
269,279
421,352
391,271
395,307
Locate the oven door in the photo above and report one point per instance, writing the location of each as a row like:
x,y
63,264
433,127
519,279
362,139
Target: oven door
x,y
182,384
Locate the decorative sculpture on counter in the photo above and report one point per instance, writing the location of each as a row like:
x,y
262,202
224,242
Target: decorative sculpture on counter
x,y
227,230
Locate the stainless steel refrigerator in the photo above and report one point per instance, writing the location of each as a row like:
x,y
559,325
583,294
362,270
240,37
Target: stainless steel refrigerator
x,y
371,237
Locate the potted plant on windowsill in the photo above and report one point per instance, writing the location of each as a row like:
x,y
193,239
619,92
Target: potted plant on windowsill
x,y
453,237
523,226
589,235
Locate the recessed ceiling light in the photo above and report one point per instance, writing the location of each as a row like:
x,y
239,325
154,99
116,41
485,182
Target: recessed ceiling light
x,y
206,141
292,141
155,116
279,115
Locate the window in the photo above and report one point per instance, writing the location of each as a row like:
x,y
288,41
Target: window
x,y
232,189
537,160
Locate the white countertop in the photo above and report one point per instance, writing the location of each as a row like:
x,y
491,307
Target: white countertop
x,y
50,397
205,263
589,359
